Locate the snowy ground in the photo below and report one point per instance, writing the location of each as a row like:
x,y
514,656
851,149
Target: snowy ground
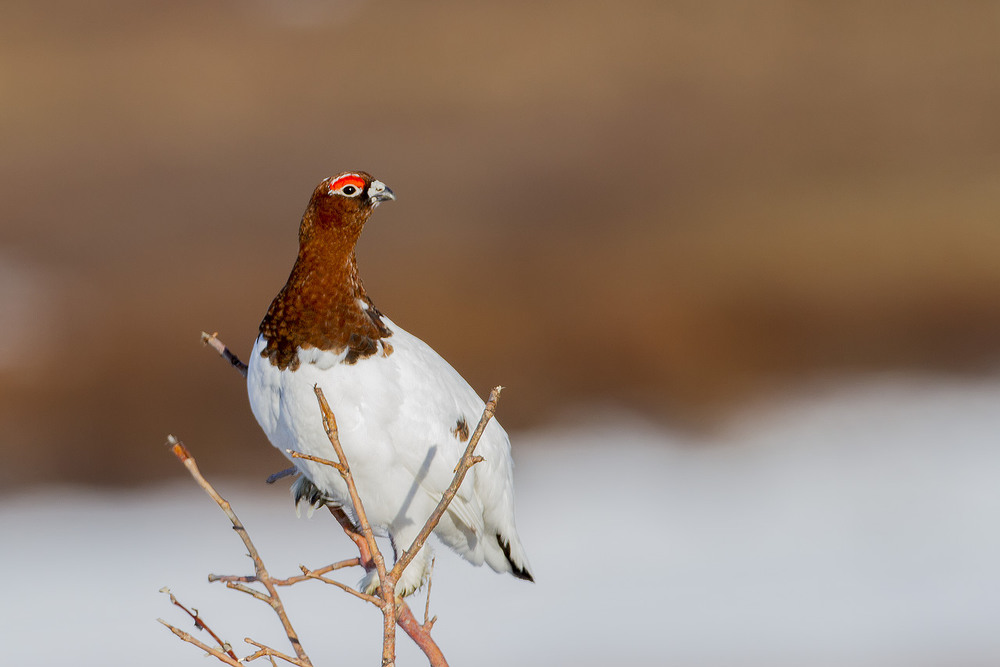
x,y
858,526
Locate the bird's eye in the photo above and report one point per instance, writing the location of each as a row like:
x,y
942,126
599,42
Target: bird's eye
x,y
348,185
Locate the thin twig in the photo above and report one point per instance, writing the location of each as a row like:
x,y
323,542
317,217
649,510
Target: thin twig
x,y
344,587
200,624
212,340
250,579
272,598
243,588
266,650
427,603
309,457
339,565
464,465
224,657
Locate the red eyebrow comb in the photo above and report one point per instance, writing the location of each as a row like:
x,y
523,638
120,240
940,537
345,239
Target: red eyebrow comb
x,y
348,179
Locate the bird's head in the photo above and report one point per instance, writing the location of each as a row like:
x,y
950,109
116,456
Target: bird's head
x,y
345,202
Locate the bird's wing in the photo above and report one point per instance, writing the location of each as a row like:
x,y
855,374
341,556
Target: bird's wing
x,y
437,413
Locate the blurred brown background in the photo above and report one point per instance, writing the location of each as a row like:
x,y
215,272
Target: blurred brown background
x,y
669,206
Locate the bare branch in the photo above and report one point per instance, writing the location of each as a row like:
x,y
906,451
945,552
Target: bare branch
x,y
242,578
464,465
224,657
200,624
352,532
307,573
250,579
243,588
272,598
386,582
271,653
427,603
339,565
212,340
421,636
308,457
330,426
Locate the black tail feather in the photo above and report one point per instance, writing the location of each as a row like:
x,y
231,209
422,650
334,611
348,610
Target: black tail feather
x,y
517,571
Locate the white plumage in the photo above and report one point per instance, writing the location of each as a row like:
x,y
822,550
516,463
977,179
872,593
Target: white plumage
x,y
397,417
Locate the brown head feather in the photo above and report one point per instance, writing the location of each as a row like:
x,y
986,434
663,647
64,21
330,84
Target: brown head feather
x,y
319,306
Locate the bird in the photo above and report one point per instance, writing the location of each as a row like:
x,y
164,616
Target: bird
x,y
403,413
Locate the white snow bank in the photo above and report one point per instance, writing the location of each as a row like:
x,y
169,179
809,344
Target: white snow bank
x,y
851,527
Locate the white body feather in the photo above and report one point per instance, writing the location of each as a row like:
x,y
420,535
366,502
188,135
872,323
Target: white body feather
x,y
395,415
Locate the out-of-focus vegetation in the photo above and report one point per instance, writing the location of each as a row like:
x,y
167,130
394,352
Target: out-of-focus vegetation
x,y
679,205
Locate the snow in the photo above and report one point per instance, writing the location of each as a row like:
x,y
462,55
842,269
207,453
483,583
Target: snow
x,y
855,525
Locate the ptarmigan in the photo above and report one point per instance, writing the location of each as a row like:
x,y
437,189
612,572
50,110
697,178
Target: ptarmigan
x,y
404,414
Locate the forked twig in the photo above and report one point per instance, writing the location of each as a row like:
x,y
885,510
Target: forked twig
x,y
223,656
262,576
308,574
270,653
421,636
249,578
200,624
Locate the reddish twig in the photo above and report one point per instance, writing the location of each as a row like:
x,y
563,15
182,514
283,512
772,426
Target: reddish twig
x,y
421,636
200,624
352,532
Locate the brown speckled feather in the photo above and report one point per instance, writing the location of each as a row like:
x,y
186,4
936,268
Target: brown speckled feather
x,y
319,306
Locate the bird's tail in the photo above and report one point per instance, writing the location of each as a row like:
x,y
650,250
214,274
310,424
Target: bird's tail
x,y
514,561
500,549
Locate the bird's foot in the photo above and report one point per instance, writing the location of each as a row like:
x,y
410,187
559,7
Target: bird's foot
x,y
412,579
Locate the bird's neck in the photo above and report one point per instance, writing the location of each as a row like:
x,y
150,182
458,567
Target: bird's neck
x,y
323,305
